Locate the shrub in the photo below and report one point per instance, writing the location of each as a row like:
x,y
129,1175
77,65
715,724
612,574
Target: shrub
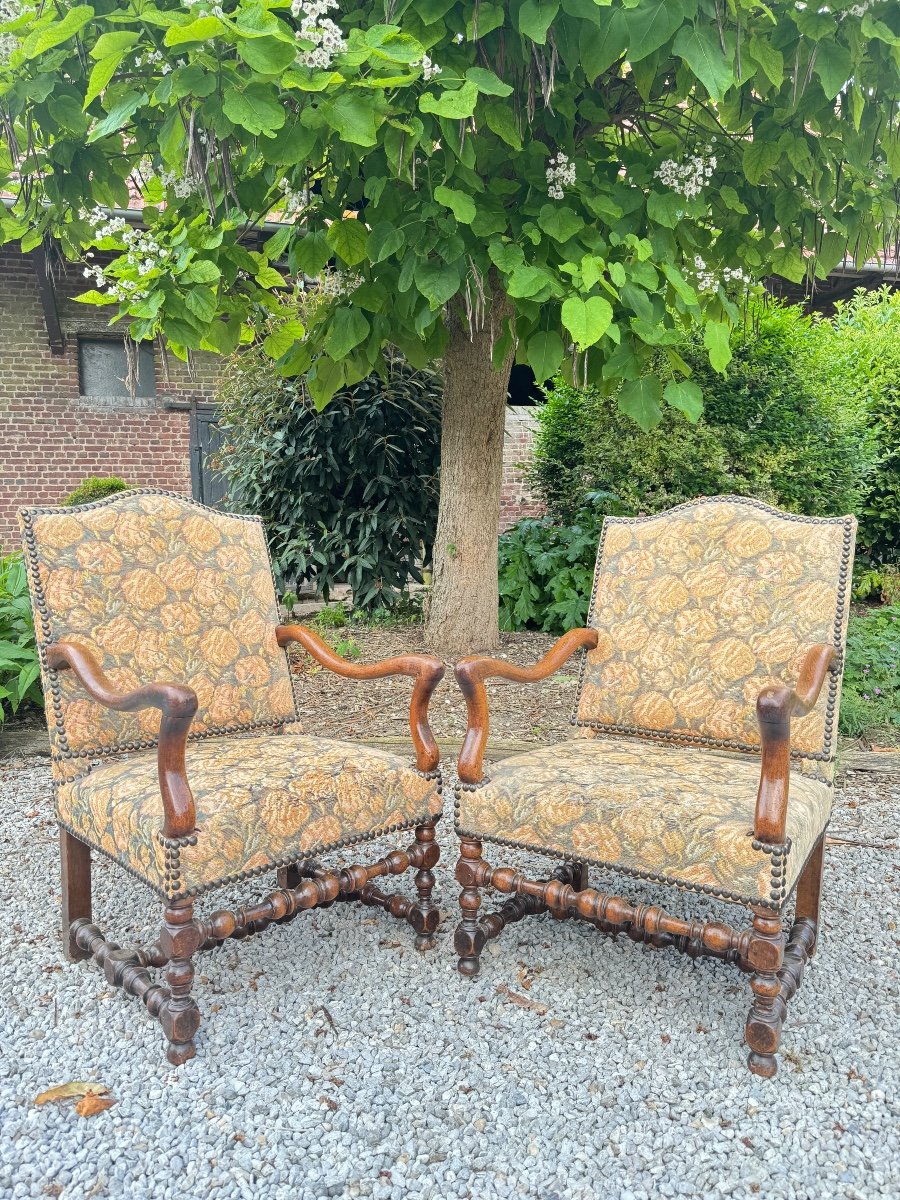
x,y
765,432
348,494
19,666
95,488
872,673
855,358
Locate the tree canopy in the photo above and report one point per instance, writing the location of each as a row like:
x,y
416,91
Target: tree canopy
x,y
620,171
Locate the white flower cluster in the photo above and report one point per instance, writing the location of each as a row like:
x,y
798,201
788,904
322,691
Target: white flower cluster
x,y
560,174
708,281
141,249
689,177
10,10
182,185
294,200
326,38
860,10
429,68
338,283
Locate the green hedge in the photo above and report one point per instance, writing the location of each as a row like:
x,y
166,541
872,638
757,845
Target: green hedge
x,y
767,431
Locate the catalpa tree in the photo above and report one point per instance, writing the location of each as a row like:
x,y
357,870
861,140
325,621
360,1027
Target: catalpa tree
x,y
569,183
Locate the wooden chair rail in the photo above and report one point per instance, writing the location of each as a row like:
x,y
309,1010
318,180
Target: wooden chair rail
x,y
775,706
425,669
471,674
177,703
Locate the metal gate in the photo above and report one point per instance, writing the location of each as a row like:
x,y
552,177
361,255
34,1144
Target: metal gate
x,y
207,484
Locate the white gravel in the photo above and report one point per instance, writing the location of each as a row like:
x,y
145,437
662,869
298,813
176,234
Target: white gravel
x,y
632,1085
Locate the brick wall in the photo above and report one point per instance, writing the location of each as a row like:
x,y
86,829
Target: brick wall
x,y
516,500
51,437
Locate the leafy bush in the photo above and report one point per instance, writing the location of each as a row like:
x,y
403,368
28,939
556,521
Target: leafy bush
x,y
348,494
19,666
95,488
872,673
765,432
855,358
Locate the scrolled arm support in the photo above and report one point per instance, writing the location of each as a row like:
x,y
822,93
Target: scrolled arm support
x,y
775,706
471,674
426,670
177,703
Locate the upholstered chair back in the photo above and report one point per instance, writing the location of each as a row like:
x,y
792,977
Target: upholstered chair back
x,y
160,590
699,608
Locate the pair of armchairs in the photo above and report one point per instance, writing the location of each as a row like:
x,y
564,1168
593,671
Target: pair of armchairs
x,y
696,618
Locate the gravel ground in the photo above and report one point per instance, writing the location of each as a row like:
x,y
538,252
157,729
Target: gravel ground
x,y
335,1061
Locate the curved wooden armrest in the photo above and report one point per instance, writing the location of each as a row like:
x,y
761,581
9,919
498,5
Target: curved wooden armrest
x,y
426,670
177,703
775,706
471,674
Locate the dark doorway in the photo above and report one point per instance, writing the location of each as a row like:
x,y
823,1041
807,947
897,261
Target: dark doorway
x,y
207,484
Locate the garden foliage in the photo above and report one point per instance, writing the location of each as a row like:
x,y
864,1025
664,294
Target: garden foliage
x,y
19,666
348,494
872,675
94,488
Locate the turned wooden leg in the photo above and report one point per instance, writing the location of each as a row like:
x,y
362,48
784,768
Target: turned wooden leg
x,y
75,862
469,938
765,955
179,1014
424,916
288,877
809,890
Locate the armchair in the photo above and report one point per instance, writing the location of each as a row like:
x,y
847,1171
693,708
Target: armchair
x,y
693,763
196,784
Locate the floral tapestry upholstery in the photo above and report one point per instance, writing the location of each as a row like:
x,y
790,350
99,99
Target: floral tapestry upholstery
x,y
699,608
674,813
159,589
262,801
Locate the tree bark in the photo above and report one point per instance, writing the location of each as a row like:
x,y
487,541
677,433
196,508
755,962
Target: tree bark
x,y
463,609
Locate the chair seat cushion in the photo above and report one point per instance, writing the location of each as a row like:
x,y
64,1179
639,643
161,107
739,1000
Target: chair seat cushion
x,y
261,802
670,813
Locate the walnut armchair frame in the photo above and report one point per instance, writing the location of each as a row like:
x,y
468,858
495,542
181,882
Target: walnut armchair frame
x,y
71,669
774,957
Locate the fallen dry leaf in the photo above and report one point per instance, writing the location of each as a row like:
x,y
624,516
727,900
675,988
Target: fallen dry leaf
x,y
68,1091
91,1104
523,1001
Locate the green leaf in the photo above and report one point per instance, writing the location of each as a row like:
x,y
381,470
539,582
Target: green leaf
x,y
487,82
536,17
717,340
768,58
456,104
732,200
461,204
118,116
101,73
201,303
437,282
586,320
347,328
310,254
256,109
701,49
651,25
348,238
202,270
686,397
526,282
789,263
640,399
268,55
200,30
222,336
45,39
117,42
545,353
501,120
92,296
600,47
353,117
385,239
759,158
834,66
268,277
560,222
283,338
831,252
325,378
665,208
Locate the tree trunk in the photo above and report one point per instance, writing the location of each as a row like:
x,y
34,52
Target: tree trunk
x,y
463,609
